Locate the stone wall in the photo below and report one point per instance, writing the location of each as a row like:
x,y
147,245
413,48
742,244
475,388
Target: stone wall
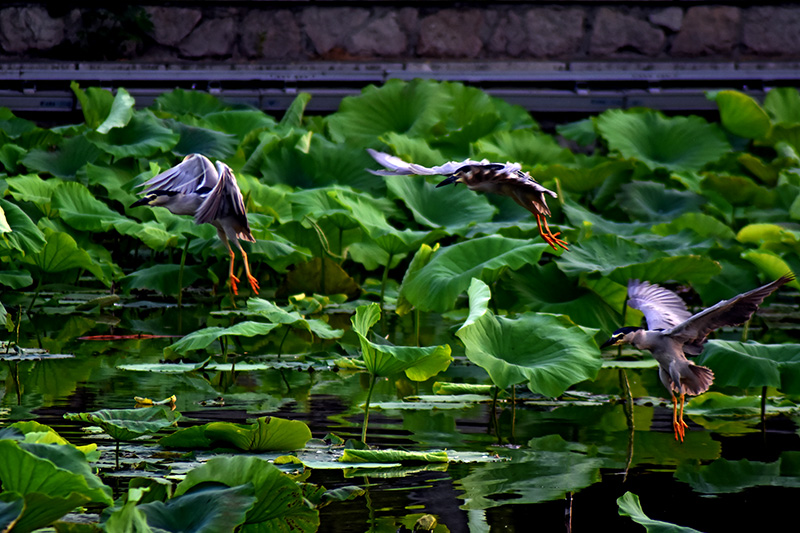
x,y
257,32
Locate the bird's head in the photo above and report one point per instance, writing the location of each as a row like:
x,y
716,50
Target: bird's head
x,y
148,199
621,336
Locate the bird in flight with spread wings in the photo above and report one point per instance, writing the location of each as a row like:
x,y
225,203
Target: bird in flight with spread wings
x,y
672,331
507,179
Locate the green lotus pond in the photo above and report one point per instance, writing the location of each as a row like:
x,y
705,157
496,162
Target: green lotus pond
x,y
416,356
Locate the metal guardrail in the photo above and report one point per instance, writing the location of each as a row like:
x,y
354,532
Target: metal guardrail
x,y
539,87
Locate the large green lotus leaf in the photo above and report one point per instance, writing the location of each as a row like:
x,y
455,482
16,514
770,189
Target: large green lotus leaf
x,y
760,234
770,264
418,363
40,510
152,234
197,140
267,434
622,259
62,253
370,212
24,235
320,275
783,105
161,278
81,210
405,107
293,117
741,114
321,203
409,148
724,476
182,102
144,136
545,471
452,208
651,201
581,131
596,303
239,122
96,103
57,471
786,138
548,352
436,286
629,506
739,190
202,338
32,188
208,509
120,113
11,157
64,162
522,146
699,223
43,434
129,518
275,314
747,365
16,279
128,424
333,163
280,505
580,217
678,143
12,125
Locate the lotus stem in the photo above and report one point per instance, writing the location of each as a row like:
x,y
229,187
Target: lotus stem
x,y
383,291
35,294
280,346
180,271
416,326
117,455
764,408
366,408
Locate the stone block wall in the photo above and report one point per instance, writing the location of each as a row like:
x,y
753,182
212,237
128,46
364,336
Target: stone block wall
x,y
274,32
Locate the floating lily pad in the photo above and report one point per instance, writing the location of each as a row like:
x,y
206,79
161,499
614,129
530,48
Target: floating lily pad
x,y
266,434
128,424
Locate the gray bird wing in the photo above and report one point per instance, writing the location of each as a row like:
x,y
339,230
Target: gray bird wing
x,y
522,181
394,166
225,200
662,308
737,310
194,173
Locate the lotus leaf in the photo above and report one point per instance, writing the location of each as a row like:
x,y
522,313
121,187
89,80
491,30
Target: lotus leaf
x,y
677,143
206,509
651,201
523,146
120,113
182,102
279,500
724,476
80,209
783,105
748,365
392,456
52,470
201,339
275,314
741,114
436,286
548,352
629,506
622,259
162,278
62,253
39,510
197,140
266,434
67,160
143,136
128,424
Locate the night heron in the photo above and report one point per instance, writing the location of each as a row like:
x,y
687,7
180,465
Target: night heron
x,y
499,178
195,187
672,332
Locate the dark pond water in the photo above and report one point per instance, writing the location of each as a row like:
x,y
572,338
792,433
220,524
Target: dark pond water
x,y
567,461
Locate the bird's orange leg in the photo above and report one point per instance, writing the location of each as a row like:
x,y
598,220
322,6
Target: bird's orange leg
x,y
233,278
677,422
250,278
548,235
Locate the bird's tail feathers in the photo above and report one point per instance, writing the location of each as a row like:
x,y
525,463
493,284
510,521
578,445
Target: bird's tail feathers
x,y
696,379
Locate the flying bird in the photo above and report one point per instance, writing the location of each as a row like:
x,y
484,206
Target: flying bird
x,y
210,193
672,331
499,178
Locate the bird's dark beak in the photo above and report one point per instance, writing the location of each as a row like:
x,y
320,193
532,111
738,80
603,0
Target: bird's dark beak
x,y
143,201
610,342
448,181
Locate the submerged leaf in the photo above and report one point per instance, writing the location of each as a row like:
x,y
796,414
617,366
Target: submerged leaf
x,y
128,424
629,506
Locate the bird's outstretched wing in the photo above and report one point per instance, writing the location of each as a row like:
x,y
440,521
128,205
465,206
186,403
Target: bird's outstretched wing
x,y
662,308
394,166
737,310
225,200
194,173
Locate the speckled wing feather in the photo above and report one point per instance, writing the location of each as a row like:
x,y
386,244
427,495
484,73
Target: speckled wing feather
x,y
662,308
194,173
